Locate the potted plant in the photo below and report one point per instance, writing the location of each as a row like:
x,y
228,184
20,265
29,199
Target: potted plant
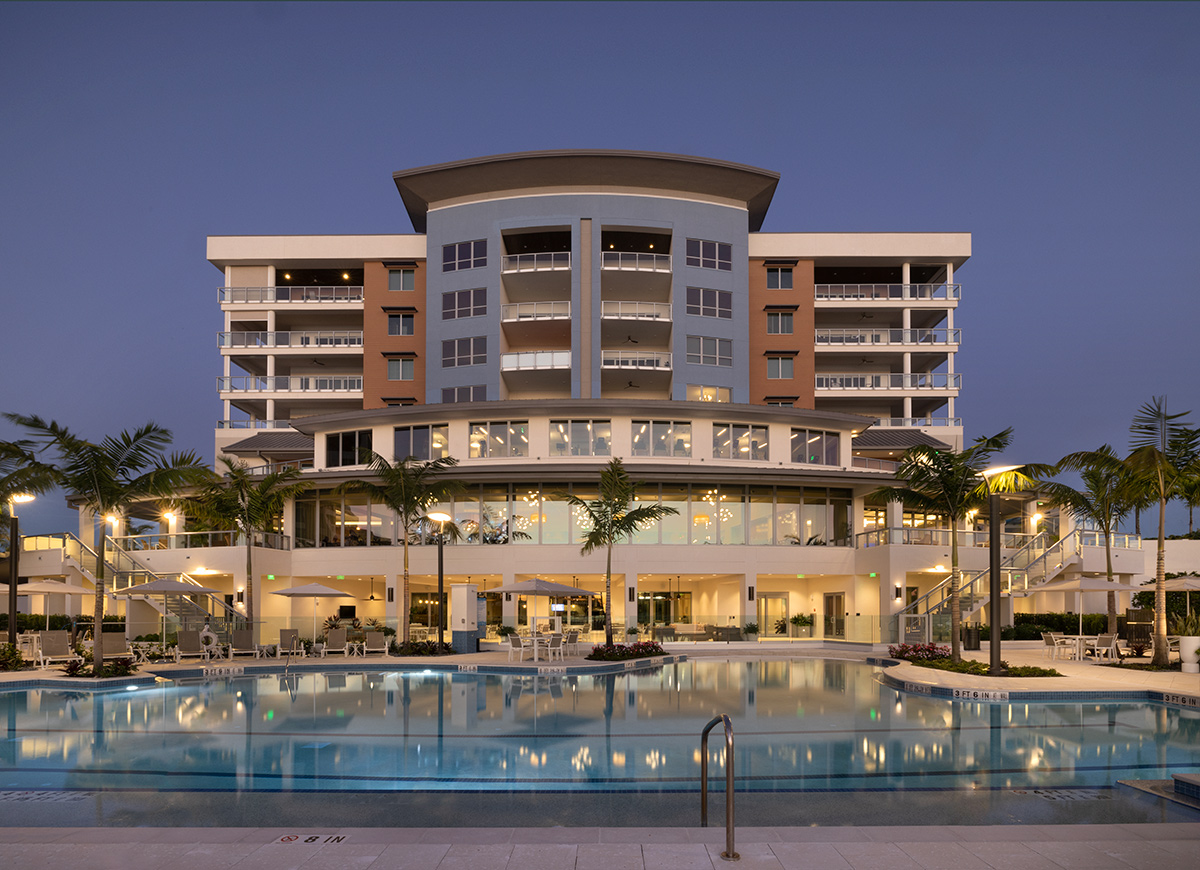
x,y
801,625
632,632
504,631
1188,629
781,626
750,630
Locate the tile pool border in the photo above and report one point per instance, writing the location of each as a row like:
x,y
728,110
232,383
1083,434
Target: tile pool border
x,y
983,692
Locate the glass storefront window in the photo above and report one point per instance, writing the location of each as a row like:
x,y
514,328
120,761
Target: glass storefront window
x,y
581,523
762,514
306,522
527,516
787,515
675,527
494,518
646,495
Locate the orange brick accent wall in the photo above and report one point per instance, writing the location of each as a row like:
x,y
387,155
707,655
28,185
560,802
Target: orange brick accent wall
x,y
378,302
802,340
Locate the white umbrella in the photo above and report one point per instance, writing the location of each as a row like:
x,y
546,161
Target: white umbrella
x,y
165,586
536,587
315,591
1178,584
47,587
1080,586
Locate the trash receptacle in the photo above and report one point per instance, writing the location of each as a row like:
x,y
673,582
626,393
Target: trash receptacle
x,y
971,637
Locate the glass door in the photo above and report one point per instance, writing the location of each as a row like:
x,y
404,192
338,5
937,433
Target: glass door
x,y
835,614
772,613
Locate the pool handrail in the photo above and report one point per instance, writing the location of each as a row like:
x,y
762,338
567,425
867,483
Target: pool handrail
x,y
729,854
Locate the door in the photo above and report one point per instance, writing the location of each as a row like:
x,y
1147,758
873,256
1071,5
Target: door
x,y
835,614
772,608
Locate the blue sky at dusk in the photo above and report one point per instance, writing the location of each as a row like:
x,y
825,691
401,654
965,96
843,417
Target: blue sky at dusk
x,y
1064,137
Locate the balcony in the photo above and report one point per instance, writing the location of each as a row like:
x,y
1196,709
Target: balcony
x,y
945,293
856,339
871,464
524,311
635,359
254,424
916,381
535,360
635,311
536,372
265,295
304,339
930,537
293,384
630,262
556,261
918,422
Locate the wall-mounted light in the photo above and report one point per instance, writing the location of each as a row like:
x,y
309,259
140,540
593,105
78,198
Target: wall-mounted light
x,y
749,593
632,594
899,592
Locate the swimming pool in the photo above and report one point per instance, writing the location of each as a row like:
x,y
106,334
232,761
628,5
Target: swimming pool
x,y
822,727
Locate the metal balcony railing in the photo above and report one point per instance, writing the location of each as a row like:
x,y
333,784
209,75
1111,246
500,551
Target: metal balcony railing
x,y
873,464
295,384
894,292
635,311
261,295
254,424
556,261
306,338
635,359
909,422
630,262
895,381
192,540
877,337
535,359
515,312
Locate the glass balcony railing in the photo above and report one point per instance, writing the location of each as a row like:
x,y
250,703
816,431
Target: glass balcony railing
x,y
535,359
635,310
872,464
515,312
296,384
909,422
876,337
306,338
929,537
556,261
261,295
254,424
630,262
915,381
635,359
189,540
895,292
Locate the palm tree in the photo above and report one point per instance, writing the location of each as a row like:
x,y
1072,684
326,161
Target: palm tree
x,y
953,484
1162,457
1105,497
612,520
110,477
410,488
21,473
251,503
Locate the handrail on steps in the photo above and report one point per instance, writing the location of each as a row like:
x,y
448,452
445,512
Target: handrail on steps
x,y
729,854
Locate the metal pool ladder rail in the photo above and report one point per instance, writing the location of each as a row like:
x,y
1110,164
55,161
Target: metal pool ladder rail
x,y
729,854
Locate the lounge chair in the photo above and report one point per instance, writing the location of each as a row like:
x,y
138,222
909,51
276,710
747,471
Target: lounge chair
x,y
289,640
519,645
374,642
55,647
335,642
187,643
243,643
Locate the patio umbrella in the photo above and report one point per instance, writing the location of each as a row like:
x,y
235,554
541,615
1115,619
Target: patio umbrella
x,y
47,587
1179,584
538,586
165,586
1080,586
314,591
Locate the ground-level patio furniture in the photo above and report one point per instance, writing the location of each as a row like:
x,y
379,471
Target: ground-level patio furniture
x,y
335,642
1104,646
571,642
519,645
55,646
289,641
187,643
554,647
243,643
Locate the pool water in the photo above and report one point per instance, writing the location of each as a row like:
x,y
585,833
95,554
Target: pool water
x,y
800,726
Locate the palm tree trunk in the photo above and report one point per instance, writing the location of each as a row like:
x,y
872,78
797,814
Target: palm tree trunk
x,y
955,604
402,616
1112,596
608,636
1161,650
250,623
98,611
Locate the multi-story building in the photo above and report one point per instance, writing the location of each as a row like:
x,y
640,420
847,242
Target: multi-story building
x,y
556,309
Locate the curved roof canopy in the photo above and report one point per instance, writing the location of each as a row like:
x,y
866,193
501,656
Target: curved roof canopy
x,y
530,170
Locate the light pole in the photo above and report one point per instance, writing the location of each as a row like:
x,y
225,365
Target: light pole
x,y
995,529
14,561
441,519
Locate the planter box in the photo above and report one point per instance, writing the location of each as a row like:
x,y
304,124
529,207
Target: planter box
x,y
1187,654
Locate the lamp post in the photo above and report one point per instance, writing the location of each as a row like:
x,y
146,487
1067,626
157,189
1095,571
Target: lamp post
x,y
995,529
441,519
14,561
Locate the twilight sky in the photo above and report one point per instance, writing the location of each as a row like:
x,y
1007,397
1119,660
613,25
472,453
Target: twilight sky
x,y
1064,137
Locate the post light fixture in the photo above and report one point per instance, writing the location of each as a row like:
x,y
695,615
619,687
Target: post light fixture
x,y
441,519
14,560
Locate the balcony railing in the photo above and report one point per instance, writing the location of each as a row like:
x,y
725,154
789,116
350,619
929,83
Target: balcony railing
x,y
873,464
254,424
535,359
910,422
260,295
860,337
897,292
188,540
929,537
296,384
916,381
630,262
635,310
557,261
306,338
519,311
635,359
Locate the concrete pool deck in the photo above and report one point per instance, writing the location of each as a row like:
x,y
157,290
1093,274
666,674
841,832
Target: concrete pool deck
x,y
1162,846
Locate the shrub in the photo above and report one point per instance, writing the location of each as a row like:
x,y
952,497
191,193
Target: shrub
x,y
918,652
800,620
620,652
421,648
981,669
505,631
750,628
10,658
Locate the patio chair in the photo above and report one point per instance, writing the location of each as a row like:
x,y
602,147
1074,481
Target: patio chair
x,y
243,643
375,642
519,645
571,644
187,643
289,641
1105,646
1063,645
554,647
55,647
335,642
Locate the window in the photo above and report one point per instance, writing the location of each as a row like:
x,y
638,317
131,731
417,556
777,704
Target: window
x,y
781,403
345,448
710,303
475,393
661,438
499,439
464,352
703,351
739,441
779,323
401,369
402,279
580,437
709,255
464,303
422,443
464,255
780,368
400,324
815,447
700,393
779,278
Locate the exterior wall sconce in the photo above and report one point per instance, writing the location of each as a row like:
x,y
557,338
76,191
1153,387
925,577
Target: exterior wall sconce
x,y
749,593
632,594
899,592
